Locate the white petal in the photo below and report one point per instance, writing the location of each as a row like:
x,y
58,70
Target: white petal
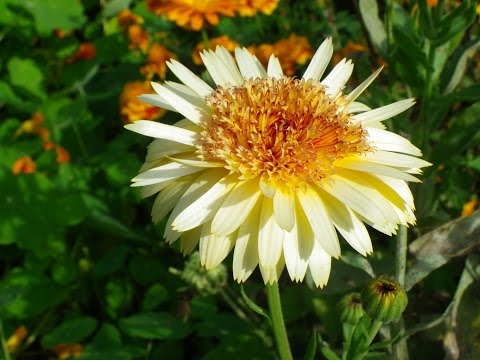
x,y
267,189
395,159
213,248
384,112
274,69
319,220
245,256
205,207
319,264
159,149
338,77
162,131
284,209
156,100
270,236
386,140
361,88
150,190
249,65
355,107
189,78
189,240
401,188
163,173
217,69
348,225
201,185
227,59
191,160
236,208
271,275
320,61
168,197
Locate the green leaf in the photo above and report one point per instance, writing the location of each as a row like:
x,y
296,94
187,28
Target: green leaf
x,y
326,350
64,271
375,27
155,296
26,75
118,296
70,332
161,326
49,15
112,261
146,269
471,93
9,97
254,307
114,6
359,262
456,22
312,347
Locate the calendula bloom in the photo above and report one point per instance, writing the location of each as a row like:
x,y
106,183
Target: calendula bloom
x,y
86,51
126,18
271,165
193,14
223,41
251,7
131,108
138,38
24,165
156,61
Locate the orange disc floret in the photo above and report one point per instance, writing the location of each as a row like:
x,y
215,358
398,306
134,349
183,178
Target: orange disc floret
x,y
156,62
24,165
223,40
131,108
193,14
138,38
251,7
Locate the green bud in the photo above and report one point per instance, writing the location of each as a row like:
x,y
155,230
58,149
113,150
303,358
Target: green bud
x,y
384,299
206,282
351,309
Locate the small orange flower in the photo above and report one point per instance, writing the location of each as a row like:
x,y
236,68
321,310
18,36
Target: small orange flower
x,y
138,38
126,18
59,33
251,7
349,49
223,40
469,207
86,51
33,126
131,108
24,165
17,338
432,3
156,62
192,14
63,156
66,351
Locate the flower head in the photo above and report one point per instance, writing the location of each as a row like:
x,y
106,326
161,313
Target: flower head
x,y
251,7
156,62
272,166
223,41
131,108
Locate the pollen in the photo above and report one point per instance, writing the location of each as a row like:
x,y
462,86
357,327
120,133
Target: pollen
x,y
288,131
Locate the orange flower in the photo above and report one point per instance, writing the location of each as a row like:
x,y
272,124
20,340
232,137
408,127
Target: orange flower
x,y
432,3
295,50
131,108
65,351
24,165
223,40
193,14
469,207
86,51
156,62
251,7
63,156
17,338
138,38
59,33
349,49
33,126
126,18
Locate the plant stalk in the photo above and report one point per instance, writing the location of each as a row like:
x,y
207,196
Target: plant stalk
x,y
278,324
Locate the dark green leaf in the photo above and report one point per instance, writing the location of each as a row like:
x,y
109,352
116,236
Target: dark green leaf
x,y
359,262
70,332
155,296
312,347
254,307
160,326
112,261
26,75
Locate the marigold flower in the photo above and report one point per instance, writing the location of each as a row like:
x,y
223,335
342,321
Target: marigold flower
x,y
156,62
24,165
193,14
86,51
131,108
469,207
33,126
349,49
63,156
223,41
138,38
126,18
251,7
271,165
17,338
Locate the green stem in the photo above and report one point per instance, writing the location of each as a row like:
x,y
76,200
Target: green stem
x,y
205,39
6,353
278,325
372,332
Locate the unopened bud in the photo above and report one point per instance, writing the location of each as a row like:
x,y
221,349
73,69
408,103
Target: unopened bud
x,y
351,309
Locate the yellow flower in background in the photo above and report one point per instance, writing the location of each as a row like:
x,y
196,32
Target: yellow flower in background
x,y
251,7
272,166
156,62
193,14
469,207
293,51
223,41
131,108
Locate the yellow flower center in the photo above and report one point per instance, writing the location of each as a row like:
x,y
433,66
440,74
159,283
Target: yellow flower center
x,y
288,131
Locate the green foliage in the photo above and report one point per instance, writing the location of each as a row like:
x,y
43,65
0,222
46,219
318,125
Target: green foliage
x,y
83,265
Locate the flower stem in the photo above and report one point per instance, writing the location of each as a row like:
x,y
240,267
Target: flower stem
x,y
6,353
278,325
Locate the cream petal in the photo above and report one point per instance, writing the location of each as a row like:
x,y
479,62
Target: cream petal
x,y
267,189
156,100
361,88
320,61
189,240
163,173
249,65
388,141
270,236
401,188
159,149
195,162
395,159
213,248
274,69
227,59
162,131
150,190
189,78
384,112
271,275
319,265
204,208
236,208
356,107
284,209
168,197
319,220
217,69
245,255
297,250
337,78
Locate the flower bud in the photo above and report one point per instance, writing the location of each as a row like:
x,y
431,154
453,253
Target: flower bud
x,y
206,282
351,309
384,299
